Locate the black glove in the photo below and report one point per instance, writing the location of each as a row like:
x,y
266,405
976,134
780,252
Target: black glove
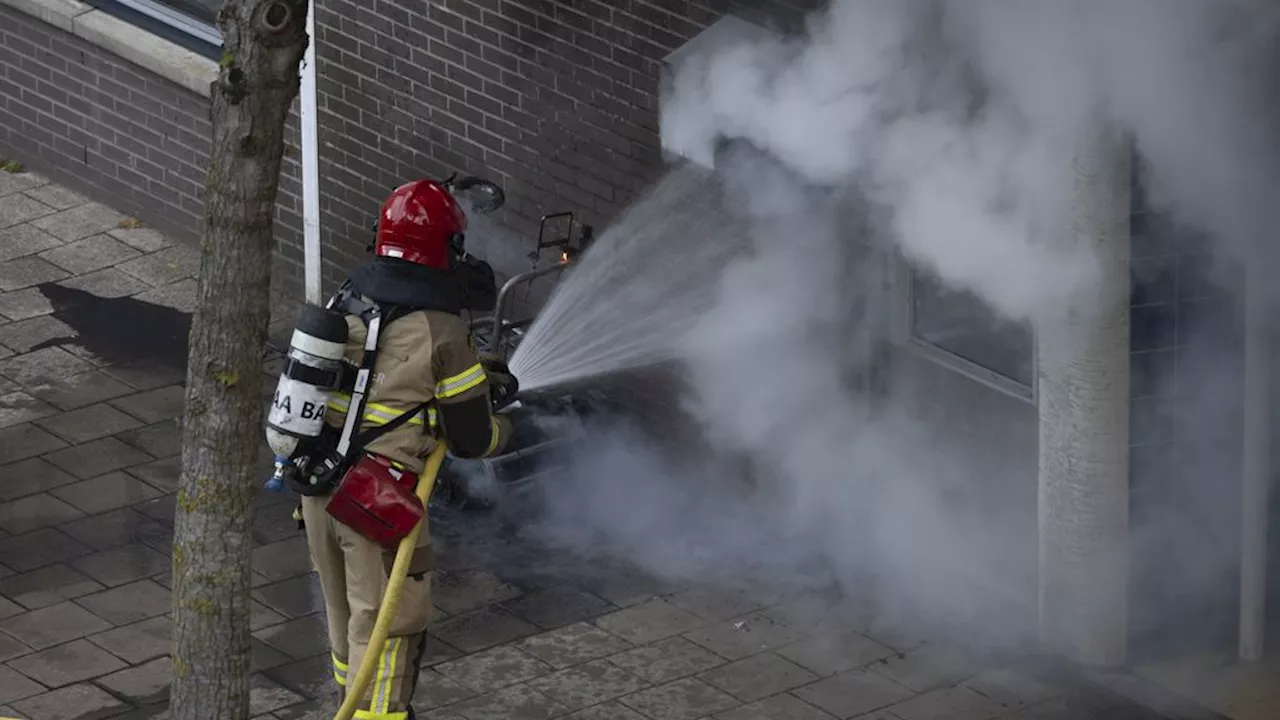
x,y
503,386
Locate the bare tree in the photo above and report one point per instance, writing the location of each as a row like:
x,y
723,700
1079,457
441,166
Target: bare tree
x,y
263,45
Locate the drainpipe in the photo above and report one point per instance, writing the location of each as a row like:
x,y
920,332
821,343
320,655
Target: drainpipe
x,y
1083,404
310,165
1257,465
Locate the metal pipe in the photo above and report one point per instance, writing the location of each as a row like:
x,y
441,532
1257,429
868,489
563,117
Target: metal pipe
x,y
310,164
498,322
1255,493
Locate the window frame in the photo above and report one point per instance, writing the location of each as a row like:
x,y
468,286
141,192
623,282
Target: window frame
x,y
905,330
159,18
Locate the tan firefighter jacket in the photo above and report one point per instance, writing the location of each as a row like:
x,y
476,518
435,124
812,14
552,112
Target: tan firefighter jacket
x,y
424,356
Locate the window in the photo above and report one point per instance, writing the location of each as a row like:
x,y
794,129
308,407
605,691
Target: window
x,y
189,23
958,329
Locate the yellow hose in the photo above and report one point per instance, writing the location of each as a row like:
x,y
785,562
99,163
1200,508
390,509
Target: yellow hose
x,y
395,586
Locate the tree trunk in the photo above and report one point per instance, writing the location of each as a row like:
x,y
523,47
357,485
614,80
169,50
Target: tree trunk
x,y
263,44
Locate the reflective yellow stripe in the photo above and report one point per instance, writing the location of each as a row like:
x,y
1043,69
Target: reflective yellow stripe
x,y
339,671
370,715
460,383
495,434
386,674
340,679
339,665
379,414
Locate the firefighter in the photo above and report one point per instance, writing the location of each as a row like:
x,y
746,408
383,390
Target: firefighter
x,y
426,382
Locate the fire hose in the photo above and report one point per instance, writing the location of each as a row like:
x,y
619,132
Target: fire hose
x,y
395,587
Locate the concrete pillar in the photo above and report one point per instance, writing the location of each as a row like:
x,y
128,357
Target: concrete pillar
x,y
1083,356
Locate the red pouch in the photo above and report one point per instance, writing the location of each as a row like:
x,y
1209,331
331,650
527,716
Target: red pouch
x,y
377,501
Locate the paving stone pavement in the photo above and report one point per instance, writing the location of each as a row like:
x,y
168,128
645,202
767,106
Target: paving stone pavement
x,y
89,448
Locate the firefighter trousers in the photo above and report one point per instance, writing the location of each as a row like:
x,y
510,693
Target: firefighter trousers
x,y
354,573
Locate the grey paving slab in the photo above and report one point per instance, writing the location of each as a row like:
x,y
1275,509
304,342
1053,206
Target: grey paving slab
x,y
435,690
282,560
261,617
573,645
80,221
49,585
96,458
128,604
57,196
11,647
17,408
136,643
104,493
88,254
164,474
106,283
266,695
46,366
89,423
832,654
142,684
11,183
518,702
66,664
667,660
180,295
24,304
15,209
123,564
298,638
647,622
778,707
75,702
588,684
154,406
25,441
162,439
146,240
715,604
686,699
953,703
482,629
493,669
37,549
748,635
438,651
35,512
463,590
9,608
53,625
758,677
292,598
124,526
146,376
928,668
558,606
606,711
81,390
853,693
25,272
166,266
626,586
16,686
312,677
30,476
22,240
1014,689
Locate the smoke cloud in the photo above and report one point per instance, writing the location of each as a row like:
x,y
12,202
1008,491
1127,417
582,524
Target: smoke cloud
x,y
944,131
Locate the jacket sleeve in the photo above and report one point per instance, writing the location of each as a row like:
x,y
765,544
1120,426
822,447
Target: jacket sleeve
x,y
467,420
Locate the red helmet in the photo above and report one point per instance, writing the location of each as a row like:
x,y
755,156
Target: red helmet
x,y
421,223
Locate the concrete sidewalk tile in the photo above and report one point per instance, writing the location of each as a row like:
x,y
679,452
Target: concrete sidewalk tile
x,y
298,638
26,441
80,221
77,391
35,512
28,271
57,196
146,240
11,648
9,608
264,657
45,366
97,457
146,683
166,266
21,241
435,690
558,606
832,654
588,684
155,405
49,585
518,702
105,493
24,336
492,669
459,591
744,636
109,283
24,304
666,660
608,711
927,668
53,625
292,598
16,686
715,604
953,703
260,616
282,560
685,699
30,476
162,439
573,644
92,253
482,629
17,209
267,695
128,603
758,677
648,622
89,423
438,651
122,565
853,693
74,702
778,707
164,474
124,526
1014,689
181,296
145,376
66,664
625,586
17,408
11,183
311,678
139,642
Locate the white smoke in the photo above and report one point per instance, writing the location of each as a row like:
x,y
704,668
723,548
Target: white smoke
x,y
954,125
